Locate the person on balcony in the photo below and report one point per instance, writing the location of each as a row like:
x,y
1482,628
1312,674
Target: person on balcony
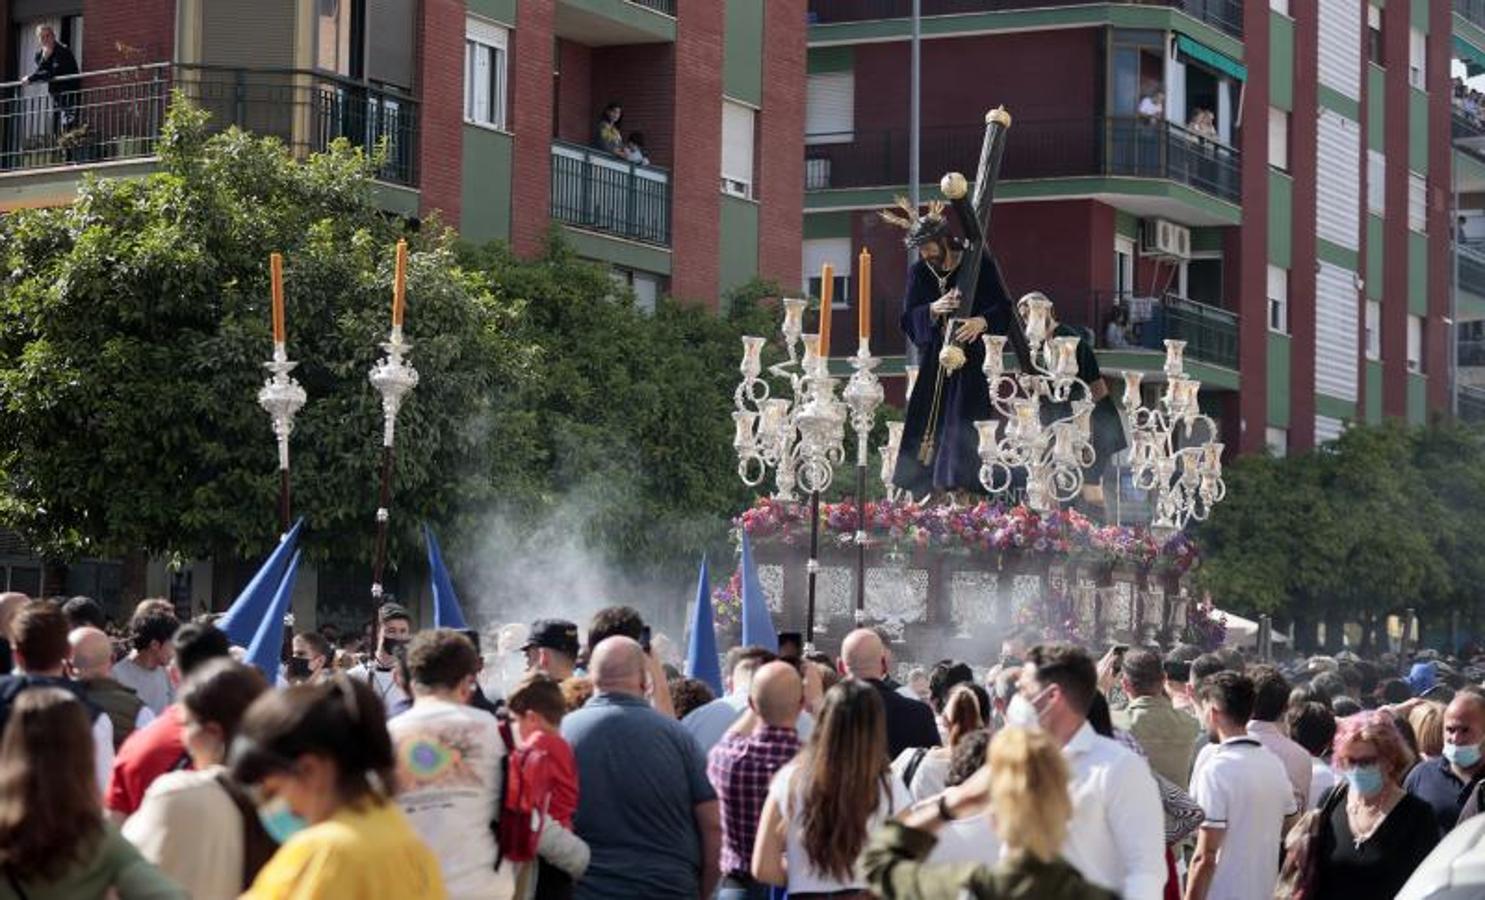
x,y
634,149
606,135
1152,107
57,67
1116,336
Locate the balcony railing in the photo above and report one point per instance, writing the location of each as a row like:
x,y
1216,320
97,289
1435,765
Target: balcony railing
x,y
1474,10
1471,403
1047,149
660,6
1226,15
117,114
1471,267
1210,332
593,189
1471,353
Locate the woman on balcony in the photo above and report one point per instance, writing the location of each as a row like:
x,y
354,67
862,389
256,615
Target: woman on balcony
x,y
606,135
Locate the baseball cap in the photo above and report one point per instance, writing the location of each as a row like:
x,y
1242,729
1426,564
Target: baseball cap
x,y
554,634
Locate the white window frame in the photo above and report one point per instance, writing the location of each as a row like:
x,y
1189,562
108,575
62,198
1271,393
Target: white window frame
x,y
1373,329
837,252
1276,439
1278,299
1417,202
735,181
1417,59
1278,138
483,36
1376,182
1415,343
1279,6
843,86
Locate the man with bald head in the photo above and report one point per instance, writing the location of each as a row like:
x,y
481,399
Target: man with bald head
x,y
910,723
1450,784
646,809
742,765
92,668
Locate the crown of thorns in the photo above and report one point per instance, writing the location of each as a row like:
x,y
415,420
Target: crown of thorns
x,y
921,229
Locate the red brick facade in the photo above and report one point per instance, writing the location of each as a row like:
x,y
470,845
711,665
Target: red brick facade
x,y
441,131
1303,146
696,186
780,160
531,122
1246,288
1395,23
1438,334
148,26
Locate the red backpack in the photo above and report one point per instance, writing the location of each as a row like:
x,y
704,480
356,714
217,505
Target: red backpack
x,y
524,798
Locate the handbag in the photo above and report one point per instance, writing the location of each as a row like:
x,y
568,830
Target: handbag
x,y
1298,875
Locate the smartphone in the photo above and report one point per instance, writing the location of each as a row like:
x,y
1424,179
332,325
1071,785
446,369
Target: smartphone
x,y
644,639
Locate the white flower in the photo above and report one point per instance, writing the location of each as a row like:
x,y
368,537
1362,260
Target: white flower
x,y
951,358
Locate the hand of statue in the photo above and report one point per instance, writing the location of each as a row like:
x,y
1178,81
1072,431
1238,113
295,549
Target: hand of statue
x,y
945,304
971,329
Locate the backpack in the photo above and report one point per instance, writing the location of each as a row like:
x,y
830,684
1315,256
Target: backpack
x,y
525,797
911,769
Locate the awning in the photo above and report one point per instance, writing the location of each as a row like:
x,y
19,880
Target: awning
x,y
1207,56
1472,57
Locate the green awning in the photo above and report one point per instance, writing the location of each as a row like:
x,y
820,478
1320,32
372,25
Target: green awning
x,y
1207,56
1472,57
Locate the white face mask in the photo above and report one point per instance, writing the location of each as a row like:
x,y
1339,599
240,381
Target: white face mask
x,y
1022,713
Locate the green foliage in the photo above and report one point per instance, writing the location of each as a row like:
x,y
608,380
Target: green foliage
x,y
1386,518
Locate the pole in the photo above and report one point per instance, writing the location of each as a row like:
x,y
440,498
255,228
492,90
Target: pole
x,y
860,531
1454,294
284,502
914,136
813,569
383,513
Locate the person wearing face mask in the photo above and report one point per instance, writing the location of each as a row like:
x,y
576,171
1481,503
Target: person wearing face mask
x,y
198,826
1447,784
319,762
1116,838
1373,834
393,631
311,659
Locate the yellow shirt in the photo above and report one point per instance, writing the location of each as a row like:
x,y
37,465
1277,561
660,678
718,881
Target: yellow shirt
x,y
367,853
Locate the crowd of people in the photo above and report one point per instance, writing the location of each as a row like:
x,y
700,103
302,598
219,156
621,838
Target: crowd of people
x,y
171,768
1468,102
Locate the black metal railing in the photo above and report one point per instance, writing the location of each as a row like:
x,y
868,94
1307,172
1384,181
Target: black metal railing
x,y
1114,320
1471,403
117,114
1113,145
660,6
1473,10
594,189
1226,15
1471,352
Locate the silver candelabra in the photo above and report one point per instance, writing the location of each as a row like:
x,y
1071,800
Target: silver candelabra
x,y
1173,448
393,377
282,397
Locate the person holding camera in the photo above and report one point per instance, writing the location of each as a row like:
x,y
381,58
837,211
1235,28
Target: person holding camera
x,y
393,631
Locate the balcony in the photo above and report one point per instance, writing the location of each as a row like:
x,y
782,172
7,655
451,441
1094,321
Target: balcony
x,y
1226,15
592,189
1471,267
1210,332
1106,146
117,114
1472,10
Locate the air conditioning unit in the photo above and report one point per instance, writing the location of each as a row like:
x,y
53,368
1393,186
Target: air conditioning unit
x,y
1164,239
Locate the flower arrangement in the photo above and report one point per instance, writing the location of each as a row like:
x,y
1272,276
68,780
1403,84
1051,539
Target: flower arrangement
x,y
1205,626
727,600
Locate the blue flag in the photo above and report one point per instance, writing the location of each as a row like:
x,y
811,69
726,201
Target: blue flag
x,y
757,623
446,611
268,642
247,611
701,649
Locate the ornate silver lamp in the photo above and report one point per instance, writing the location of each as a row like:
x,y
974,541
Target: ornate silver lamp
x,y
1173,447
393,377
282,397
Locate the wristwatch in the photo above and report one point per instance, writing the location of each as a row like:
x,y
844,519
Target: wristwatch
x,y
943,809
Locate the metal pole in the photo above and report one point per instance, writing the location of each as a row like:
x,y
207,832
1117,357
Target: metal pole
x,y
284,502
914,139
383,513
812,569
861,533
1454,294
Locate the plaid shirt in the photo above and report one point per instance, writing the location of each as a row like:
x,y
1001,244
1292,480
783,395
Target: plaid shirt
x,y
740,768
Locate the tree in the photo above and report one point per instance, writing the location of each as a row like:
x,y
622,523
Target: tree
x,y
133,325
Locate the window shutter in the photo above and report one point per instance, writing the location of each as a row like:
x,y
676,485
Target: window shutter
x,y
390,27
1376,183
1417,202
737,148
830,108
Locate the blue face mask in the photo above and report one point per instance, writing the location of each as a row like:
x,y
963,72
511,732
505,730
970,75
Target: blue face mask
x,y
1462,755
279,820
1365,780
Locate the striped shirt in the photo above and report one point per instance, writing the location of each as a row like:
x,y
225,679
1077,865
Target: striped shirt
x,y
740,767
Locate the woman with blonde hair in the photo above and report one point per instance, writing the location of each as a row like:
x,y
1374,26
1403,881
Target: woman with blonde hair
x,y
822,806
1373,834
925,770
1024,791
1427,721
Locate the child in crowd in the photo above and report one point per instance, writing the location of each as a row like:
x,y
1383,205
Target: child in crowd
x,y
542,789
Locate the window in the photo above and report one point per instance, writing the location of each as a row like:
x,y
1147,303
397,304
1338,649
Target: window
x,y
485,53
1373,329
1278,299
1279,6
1415,343
338,28
1278,138
1376,182
737,148
837,252
830,108
1417,59
1417,202
646,286
1276,440
1374,33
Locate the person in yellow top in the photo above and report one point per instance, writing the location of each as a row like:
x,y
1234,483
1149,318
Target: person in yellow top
x,y
320,760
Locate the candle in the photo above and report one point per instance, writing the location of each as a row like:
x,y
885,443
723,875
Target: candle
x,y
827,289
276,268
863,295
399,284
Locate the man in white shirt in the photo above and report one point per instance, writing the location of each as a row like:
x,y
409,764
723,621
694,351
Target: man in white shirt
x,y
393,630
1247,797
1116,838
1270,698
450,766
708,722
146,671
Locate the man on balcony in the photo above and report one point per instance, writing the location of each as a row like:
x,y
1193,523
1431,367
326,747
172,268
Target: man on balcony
x,y
56,66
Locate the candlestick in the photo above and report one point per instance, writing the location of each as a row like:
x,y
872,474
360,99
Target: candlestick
x,y
399,284
863,295
826,293
276,268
